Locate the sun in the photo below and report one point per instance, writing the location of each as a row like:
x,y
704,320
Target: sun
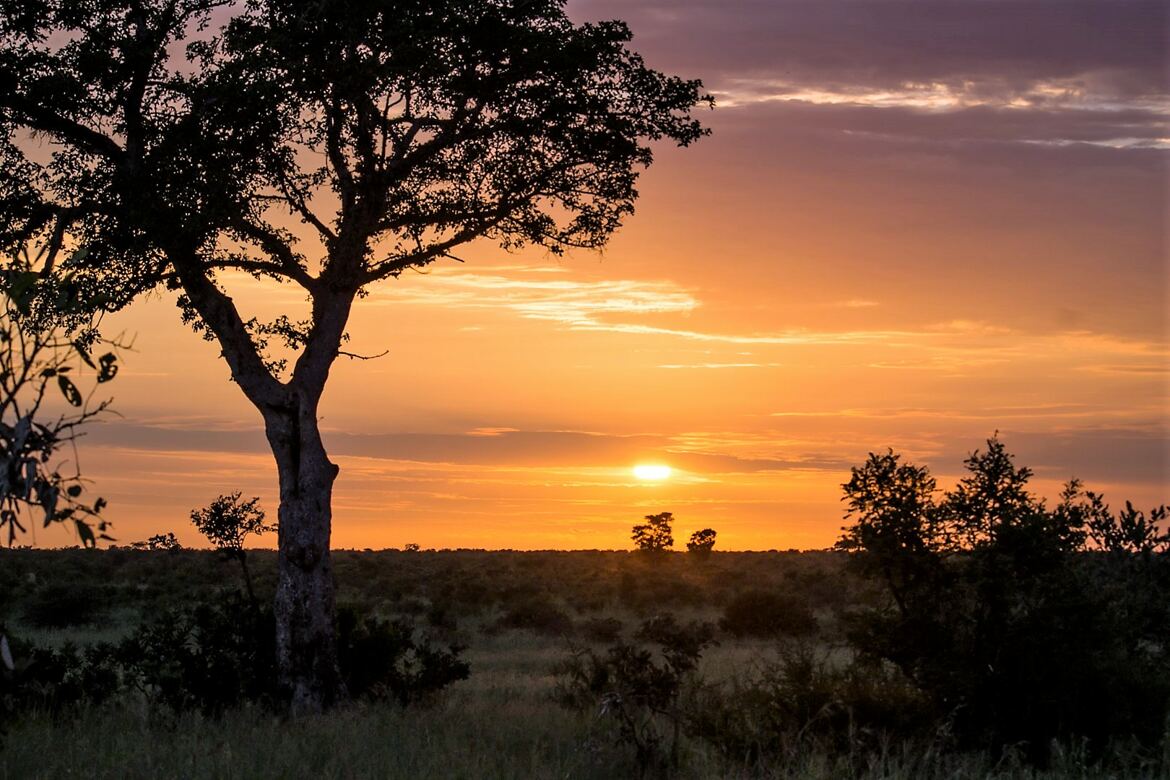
x,y
652,472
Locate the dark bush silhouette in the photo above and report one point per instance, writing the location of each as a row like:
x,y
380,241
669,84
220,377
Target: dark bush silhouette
x,y
63,605
702,542
762,613
638,688
167,542
654,536
539,614
601,629
382,660
806,703
1002,612
220,655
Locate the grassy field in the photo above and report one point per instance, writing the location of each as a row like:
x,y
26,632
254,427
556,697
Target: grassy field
x,y
516,613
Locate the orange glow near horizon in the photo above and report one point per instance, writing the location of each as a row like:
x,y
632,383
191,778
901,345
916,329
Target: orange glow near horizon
x,y
882,244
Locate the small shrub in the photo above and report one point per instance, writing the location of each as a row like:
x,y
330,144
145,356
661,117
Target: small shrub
x,y
382,660
538,614
637,689
167,542
601,629
762,613
804,704
219,655
63,606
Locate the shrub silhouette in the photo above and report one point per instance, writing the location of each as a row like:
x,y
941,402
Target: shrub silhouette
x,y
1001,612
168,542
654,536
601,629
702,542
807,703
63,605
227,522
220,655
763,613
637,688
382,660
539,614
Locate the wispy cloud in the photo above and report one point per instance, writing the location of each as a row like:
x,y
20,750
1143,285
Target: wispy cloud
x,y
941,96
605,306
675,366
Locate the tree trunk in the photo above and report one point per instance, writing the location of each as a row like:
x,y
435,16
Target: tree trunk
x,y
306,644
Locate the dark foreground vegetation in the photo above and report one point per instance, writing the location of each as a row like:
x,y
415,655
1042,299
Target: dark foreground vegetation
x,y
973,632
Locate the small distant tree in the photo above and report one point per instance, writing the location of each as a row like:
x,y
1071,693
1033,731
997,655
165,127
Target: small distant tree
x,y
702,542
227,522
654,536
167,542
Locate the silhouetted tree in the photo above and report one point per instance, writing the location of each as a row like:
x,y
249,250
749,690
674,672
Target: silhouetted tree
x,y
654,536
394,131
227,522
702,542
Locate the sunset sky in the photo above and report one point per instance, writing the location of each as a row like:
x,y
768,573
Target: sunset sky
x,y
915,223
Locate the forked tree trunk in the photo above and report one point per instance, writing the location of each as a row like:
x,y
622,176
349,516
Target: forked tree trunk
x,y
306,644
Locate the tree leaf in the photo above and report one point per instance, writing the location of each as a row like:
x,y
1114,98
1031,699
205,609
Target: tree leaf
x,y
83,353
86,534
109,367
69,390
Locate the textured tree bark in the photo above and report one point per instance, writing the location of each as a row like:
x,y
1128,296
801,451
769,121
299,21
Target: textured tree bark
x,y
306,643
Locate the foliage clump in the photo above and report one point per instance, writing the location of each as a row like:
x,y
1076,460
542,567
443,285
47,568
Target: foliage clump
x,y
227,522
46,346
702,542
1022,623
63,605
636,687
167,542
765,613
220,655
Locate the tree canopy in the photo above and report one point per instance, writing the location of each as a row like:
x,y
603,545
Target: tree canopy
x,y
392,132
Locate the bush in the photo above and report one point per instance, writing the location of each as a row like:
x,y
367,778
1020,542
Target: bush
x,y
601,629
382,660
63,606
1002,615
804,704
637,688
538,614
220,655
762,613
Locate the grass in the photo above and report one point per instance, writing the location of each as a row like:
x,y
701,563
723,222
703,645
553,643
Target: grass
x,y
500,723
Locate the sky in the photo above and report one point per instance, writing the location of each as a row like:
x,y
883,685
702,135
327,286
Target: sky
x,y
914,224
